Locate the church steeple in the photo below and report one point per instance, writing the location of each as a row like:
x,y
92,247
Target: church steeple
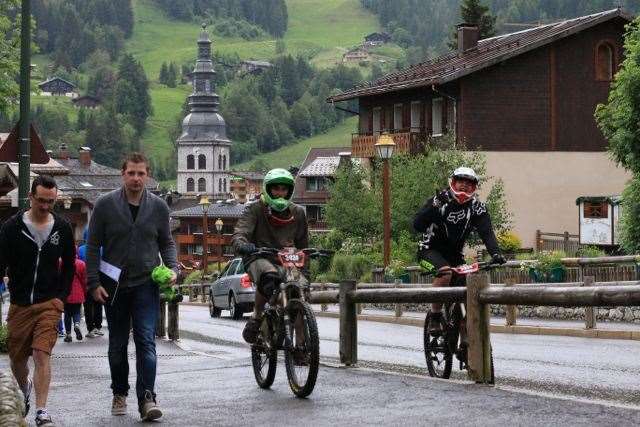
x,y
204,97
203,146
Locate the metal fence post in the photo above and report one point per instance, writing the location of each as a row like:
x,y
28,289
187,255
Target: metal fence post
x,y
348,324
589,312
511,311
479,354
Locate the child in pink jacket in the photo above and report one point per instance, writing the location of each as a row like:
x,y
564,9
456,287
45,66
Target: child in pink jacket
x,y
74,301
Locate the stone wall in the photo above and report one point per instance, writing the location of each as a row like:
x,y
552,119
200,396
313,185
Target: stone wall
x,y
617,314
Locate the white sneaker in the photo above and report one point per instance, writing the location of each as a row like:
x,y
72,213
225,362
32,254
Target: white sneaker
x,y
98,332
91,334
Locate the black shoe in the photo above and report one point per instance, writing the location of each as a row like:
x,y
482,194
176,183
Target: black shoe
x,y
76,329
68,338
435,323
251,330
44,419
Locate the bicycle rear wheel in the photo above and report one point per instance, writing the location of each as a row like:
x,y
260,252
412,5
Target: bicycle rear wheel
x,y
264,355
437,350
302,349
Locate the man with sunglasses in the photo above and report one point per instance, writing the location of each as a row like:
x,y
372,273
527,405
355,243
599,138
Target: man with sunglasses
x,y
31,244
446,221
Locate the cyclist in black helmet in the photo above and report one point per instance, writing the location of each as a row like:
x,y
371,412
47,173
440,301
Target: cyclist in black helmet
x,y
446,221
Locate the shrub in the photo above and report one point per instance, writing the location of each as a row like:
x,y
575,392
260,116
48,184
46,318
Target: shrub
x,y
349,267
509,242
590,252
548,260
194,277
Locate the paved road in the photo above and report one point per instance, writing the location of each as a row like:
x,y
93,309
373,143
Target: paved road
x,y
217,388
593,369
210,382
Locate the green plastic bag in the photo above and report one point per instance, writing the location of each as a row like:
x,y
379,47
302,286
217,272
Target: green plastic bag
x,y
162,275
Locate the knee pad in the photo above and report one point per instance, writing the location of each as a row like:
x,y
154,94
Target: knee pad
x,y
268,284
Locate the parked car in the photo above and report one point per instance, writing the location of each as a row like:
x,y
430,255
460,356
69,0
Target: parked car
x,y
233,291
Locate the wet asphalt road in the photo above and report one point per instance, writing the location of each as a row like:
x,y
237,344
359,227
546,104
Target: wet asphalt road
x,y
212,384
592,369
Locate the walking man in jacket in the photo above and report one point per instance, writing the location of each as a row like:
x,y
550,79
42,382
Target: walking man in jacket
x,y
31,244
131,225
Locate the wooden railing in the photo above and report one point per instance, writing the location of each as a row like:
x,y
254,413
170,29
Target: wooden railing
x,y
478,295
566,242
406,142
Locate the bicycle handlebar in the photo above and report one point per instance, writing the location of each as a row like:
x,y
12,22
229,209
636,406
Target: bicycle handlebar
x,y
310,252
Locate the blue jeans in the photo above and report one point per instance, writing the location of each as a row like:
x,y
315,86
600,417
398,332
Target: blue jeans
x,y
138,307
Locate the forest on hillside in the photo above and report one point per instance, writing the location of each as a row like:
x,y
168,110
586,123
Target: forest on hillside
x,y
425,26
231,16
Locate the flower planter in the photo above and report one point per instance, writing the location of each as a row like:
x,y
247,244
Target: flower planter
x,y
554,275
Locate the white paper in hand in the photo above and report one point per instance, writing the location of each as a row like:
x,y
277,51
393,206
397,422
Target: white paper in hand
x,y
110,270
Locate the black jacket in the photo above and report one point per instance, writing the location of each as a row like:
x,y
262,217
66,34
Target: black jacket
x,y
446,225
37,275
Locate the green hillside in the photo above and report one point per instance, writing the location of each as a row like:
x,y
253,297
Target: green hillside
x,y
321,28
340,136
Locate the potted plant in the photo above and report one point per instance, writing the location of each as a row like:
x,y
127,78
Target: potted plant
x,y
548,267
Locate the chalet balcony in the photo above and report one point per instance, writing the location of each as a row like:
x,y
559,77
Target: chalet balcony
x,y
407,141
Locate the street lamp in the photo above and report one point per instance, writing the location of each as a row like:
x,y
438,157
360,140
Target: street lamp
x,y
219,225
384,149
204,204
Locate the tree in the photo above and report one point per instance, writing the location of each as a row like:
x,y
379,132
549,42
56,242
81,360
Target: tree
x,y
618,118
101,83
346,193
81,123
618,121
355,205
172,75
300,121
474,12
162,78
9,54
629,222
138,104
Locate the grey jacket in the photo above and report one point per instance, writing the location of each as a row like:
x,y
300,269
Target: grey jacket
x,y
128,245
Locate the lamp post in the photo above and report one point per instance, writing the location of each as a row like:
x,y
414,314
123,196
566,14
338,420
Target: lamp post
x,y
384,148
204,204
219,225
24,159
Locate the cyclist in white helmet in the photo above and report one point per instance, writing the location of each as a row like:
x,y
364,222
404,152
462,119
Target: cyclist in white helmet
x,y
446,220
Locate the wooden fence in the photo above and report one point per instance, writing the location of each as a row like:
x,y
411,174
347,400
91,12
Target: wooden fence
x,y
478,295
567,242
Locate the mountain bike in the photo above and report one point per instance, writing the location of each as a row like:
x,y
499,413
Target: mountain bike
x,y
440,347
288,324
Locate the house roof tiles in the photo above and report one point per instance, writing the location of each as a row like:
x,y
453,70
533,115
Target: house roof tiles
x,y
490,51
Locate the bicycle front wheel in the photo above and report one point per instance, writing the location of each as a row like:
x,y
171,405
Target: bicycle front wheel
x,y
437,350
264,356
302,351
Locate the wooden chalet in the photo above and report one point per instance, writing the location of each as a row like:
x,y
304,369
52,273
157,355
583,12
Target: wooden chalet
x,y
57,86
526,99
